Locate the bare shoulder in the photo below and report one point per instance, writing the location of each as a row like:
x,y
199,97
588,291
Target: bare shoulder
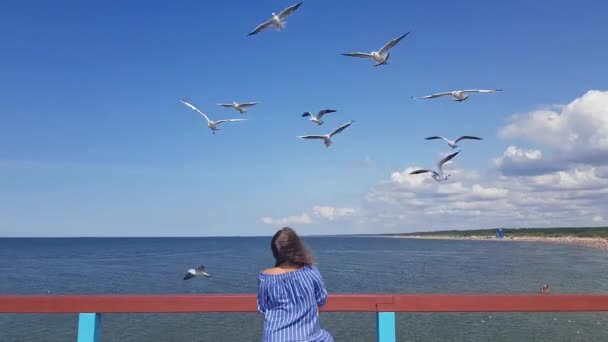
x,y
274,270
280,270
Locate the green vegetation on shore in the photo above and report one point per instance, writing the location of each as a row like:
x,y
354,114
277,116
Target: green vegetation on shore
x,y
594,232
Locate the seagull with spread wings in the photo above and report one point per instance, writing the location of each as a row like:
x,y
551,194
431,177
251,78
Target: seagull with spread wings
x,y
381,56
459,95
196,272
327,137
437,175
277,20
240,107
211,124
452,143
318,118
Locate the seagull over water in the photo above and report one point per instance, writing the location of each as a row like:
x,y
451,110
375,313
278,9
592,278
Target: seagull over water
x,y
318,118
277,20
437,175
241,107
196,272
459,95
327,137
211,124
452,143
381,56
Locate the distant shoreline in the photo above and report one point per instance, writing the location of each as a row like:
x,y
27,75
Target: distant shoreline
x,y
599,242
593,242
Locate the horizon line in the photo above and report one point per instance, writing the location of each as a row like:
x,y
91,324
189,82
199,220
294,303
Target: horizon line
x,y
304,235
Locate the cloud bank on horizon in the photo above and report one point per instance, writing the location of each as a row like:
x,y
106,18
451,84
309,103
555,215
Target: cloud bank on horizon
x,y
554,173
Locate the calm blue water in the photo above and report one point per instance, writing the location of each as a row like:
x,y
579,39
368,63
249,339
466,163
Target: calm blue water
x,y
109,266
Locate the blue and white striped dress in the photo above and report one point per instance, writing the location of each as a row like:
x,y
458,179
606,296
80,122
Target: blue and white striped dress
x,y
289,304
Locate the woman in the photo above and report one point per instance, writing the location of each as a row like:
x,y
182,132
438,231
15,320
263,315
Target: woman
x,y
290,293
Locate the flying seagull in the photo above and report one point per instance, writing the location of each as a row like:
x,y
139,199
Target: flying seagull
x,y
437,175
211,124
453,143
327,137
241,107
380,56
277,20
194,272
318,118
459,95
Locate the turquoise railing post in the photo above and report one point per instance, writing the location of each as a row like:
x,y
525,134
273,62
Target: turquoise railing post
x,y
89,327
386,327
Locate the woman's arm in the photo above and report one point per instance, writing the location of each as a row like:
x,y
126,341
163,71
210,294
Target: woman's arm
x,y
320,291
262,296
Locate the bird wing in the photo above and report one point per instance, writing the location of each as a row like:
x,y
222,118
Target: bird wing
x,y
325,111
225,104
437,137
480,90
189,276
261,27
201,268
358,54
436,95
445,160
391,44
312,137
340,129
289,10
420,171
247,104
228,120
196,109
306,114
467,137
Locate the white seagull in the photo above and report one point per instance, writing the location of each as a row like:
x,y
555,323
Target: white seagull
x,y
380,56
452,143
277,20
194,272
327,137
459,95
318,118
241,107
211,124
437,175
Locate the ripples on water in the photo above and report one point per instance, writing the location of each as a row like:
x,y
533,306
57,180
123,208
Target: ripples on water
x,y
76,266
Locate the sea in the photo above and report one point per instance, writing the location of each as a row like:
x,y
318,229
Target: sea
x,y
54,266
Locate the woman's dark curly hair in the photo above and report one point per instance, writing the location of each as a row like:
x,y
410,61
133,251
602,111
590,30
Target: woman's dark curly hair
x,y
288,249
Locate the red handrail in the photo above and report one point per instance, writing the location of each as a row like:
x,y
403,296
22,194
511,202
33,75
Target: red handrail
x,y
335,303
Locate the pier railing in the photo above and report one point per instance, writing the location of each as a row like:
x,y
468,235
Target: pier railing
x,y
91,307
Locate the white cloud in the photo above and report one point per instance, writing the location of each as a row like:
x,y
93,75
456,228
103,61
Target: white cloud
x,y
332,213
518,161
573,197
514,154
576,133
289,220
320,213
407,181
478,191
598,219
576,179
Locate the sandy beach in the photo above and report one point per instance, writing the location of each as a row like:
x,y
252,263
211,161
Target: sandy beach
x,y
600,243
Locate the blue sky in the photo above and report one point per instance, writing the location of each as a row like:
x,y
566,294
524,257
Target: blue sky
x,y
94,140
